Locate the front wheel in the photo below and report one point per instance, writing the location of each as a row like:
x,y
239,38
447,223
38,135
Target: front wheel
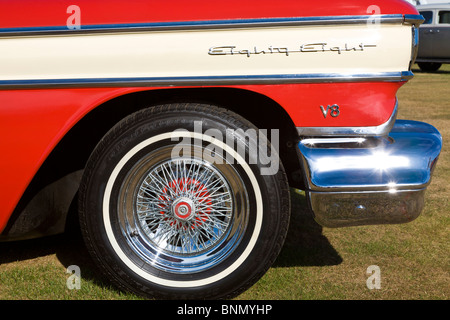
x,y
169,210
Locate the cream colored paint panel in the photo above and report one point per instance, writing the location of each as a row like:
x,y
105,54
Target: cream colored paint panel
x,y
179,54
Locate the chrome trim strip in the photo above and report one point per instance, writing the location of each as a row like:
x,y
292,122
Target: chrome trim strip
x,y
381,130
207,24
204,80
414,45
407,75
414,19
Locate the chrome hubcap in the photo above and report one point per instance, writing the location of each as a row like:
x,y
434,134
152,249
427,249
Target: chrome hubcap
x,y
183,209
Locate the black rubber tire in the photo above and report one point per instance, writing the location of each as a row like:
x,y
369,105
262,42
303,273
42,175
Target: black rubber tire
x,y
100,219
429,66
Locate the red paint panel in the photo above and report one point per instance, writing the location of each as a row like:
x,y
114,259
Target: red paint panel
x,y
32,13
360,104
32,122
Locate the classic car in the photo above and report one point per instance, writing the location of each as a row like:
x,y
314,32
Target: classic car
x,y
174,130
434,35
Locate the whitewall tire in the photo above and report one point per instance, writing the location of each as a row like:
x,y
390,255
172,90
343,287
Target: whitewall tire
x,y
169,211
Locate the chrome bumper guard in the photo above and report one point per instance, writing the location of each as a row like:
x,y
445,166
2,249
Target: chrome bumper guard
x,y
370,180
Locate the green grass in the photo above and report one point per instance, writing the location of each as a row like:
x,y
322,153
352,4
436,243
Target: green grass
x,y
315,263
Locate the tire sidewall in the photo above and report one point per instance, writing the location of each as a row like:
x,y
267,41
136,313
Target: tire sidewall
x,y
249,261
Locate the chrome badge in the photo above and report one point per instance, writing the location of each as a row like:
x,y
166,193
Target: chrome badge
x,y
334,110
308,47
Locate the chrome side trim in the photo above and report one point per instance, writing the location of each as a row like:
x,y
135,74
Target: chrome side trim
x,y
207,24
204,80
381,130
414,45
406,75
414,19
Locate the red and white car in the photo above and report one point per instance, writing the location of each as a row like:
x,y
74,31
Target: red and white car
x,y
177,127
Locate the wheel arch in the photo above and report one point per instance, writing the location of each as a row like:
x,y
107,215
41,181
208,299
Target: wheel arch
x,y
265,113
75,147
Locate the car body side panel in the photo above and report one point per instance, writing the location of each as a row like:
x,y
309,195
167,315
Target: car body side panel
x,y
294,51
434,41
31,13
48,82
426,36
442,47
32,122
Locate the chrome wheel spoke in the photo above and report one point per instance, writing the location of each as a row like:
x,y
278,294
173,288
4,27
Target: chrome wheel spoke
x,y
185,206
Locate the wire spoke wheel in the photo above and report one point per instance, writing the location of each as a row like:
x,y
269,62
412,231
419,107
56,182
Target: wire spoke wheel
x,y
184,206
180,214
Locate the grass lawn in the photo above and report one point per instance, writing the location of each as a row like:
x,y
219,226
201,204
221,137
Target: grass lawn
x,y
315,263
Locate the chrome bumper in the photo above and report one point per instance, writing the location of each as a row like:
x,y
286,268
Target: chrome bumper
x,y
370,180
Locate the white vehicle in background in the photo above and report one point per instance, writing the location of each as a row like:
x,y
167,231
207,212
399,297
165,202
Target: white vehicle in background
x,y
434,35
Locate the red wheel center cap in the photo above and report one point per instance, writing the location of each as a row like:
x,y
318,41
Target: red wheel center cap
x,y
183,208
